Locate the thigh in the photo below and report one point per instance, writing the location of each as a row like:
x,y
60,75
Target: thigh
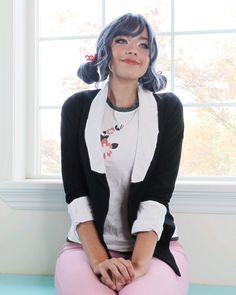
x,y
160,278
74,276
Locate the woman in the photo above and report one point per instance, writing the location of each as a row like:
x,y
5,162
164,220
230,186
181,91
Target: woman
x,y
121,149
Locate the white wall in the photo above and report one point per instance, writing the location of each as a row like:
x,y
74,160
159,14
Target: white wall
x,y
31,239
210,243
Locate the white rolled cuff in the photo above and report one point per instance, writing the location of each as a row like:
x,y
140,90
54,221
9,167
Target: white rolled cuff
x,y
79,211
151,217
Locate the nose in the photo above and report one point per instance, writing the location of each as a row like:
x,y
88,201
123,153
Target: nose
x,y
132,49
131,52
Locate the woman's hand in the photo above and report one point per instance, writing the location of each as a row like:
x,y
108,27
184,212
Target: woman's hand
x,y
115,272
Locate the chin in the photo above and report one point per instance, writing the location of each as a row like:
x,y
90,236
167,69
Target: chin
x,y
130,75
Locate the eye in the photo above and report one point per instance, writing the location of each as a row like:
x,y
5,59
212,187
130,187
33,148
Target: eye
x,y
144,46
120,40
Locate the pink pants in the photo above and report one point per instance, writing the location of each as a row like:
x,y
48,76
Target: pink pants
x,y
73,275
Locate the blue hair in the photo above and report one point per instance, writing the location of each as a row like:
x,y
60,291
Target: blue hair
x,y
127,25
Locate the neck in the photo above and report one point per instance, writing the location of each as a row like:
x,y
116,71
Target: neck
x,y
123,94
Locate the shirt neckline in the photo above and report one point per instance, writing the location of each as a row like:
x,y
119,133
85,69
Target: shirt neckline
x,y
123,109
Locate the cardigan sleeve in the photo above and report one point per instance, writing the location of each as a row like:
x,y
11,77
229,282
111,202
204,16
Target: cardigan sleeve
x,y
79,211
161,181
73,177
150,217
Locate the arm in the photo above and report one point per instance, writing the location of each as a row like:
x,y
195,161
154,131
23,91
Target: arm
x,y
148,225
143,251
91,244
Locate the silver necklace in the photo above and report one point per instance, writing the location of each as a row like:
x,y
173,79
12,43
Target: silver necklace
x,y
120,122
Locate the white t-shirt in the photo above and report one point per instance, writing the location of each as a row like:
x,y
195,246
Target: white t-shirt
x,y
119,141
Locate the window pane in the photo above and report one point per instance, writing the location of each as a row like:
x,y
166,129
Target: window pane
x,y
59,62
68,18
164,58
50,141
158,13
205,14
210,142
206,68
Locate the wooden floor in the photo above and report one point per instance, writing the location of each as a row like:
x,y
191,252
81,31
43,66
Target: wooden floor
x,y
43,285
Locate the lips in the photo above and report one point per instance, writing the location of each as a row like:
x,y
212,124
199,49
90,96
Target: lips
x,y
130,61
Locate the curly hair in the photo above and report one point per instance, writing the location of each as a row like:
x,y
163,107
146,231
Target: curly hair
x,y
126,25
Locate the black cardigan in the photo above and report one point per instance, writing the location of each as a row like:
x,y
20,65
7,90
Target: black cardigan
x,y
158,185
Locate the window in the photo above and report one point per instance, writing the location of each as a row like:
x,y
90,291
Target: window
x,y
197,44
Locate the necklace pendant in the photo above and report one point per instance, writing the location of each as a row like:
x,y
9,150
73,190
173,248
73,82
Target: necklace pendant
x,y
119,127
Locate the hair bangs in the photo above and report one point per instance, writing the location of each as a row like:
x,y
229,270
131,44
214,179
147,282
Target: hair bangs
x,y
132,26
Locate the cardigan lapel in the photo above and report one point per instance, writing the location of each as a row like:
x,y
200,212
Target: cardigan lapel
x,y
93,131
147,133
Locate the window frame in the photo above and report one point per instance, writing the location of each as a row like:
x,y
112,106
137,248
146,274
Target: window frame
x,y
17,189
34,171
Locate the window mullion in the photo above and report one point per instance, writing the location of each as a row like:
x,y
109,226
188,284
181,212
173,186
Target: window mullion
x,y
33,92
172,36
210,104
103,13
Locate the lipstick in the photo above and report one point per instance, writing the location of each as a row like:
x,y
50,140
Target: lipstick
x,y
130,61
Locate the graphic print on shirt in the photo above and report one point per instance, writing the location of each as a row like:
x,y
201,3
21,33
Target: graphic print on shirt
x,y
106,145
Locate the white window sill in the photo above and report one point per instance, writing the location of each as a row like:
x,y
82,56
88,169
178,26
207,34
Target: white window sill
x,y
195,196
33,194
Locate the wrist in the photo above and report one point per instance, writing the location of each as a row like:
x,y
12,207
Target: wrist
x,y
140,265
140,262
94,264
140,269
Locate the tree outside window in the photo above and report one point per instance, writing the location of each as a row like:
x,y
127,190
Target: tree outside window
x,y
196,53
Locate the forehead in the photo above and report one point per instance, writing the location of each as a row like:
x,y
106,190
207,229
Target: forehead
x,y
141,35
129,27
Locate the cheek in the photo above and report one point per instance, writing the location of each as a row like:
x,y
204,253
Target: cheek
x,y
116,51
113,64
114,57
146,62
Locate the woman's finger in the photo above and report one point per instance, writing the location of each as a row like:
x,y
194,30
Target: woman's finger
x,y
125,267
106,280
113,266
116,271
119,286
129,267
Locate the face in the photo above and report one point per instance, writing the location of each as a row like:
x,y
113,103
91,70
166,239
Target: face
x,y
130,56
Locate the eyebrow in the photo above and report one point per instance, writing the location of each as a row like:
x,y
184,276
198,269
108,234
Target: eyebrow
x,y
143,38
139,38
